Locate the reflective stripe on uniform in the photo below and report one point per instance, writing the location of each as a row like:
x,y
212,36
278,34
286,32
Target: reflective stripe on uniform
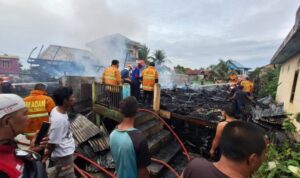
x,y
31,116
151,77
147,87
30,134
109,76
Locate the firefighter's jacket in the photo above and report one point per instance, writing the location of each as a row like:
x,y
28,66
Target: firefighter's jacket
x,y
247,86
39,106
149,75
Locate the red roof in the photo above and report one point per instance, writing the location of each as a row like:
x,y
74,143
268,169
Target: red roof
x,y
189,71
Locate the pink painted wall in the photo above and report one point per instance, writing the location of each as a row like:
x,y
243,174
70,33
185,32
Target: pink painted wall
x,y
13,67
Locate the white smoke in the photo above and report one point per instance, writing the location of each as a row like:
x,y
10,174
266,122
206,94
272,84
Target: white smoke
x,y
110,47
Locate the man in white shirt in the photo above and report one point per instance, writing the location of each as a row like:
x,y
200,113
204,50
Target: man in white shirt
x,y
61,143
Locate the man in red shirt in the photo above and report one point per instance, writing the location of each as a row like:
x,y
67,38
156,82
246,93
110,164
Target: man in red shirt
x,y
13,119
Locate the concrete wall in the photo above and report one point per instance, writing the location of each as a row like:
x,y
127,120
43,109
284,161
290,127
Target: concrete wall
x,y
284,89
285,85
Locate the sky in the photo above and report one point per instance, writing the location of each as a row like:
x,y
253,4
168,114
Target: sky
x,y
193,33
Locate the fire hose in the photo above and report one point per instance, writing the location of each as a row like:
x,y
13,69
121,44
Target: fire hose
x,y
80,172
86,175
113,176
171,130
95,164
166,165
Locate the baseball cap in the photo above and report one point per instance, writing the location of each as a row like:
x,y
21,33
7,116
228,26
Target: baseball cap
x,y
10,103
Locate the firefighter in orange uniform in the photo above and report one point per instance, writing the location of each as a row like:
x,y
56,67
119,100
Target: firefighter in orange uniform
x,y
111,78
39,106
112,75
149,78
233,78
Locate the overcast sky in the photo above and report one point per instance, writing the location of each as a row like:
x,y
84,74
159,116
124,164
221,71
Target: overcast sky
x,y
193,33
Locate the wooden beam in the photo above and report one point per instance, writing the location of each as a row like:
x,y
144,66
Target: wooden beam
x,y
165,114
107,112
196,121
156,100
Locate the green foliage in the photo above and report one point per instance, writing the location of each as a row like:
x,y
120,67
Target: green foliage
x,y
180,69
280,159
221,71
298,117
283,160
288,125
159,56
269,82
255,74
144,53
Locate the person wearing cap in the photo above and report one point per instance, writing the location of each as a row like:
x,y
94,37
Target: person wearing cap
x,y
14,162
135,81
125,74
39,106
149,78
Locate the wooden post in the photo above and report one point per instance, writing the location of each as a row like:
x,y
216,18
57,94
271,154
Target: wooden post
x,y
94,94
156,100
98,122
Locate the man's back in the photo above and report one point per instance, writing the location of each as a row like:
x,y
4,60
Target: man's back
x,y
130,152
241,97
112,76
200,167
149,76
247,85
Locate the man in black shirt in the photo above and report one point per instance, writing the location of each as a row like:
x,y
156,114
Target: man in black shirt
x,y
241,98
240,156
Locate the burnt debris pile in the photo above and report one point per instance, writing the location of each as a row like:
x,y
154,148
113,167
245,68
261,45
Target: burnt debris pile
x,y
268,114
203,104
195,113
91,141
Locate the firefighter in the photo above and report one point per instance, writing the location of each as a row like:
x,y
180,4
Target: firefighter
x,y
233,78
111,78
247,86
39,106
149,78
112,75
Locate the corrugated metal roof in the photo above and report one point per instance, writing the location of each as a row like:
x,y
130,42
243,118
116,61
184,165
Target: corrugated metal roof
x,y
55,52
290,45
9,57
237,64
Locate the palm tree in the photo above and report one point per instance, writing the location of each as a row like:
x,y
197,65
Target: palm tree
x,y
159,56
221,71
144,53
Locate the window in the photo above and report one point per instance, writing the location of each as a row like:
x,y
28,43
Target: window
x,y
5,64
294,86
